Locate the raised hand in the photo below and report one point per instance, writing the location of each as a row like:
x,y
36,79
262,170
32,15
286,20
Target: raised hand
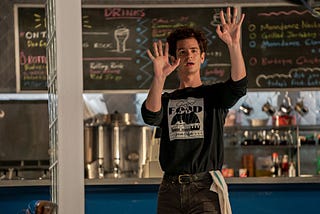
x,y
229,30
160,58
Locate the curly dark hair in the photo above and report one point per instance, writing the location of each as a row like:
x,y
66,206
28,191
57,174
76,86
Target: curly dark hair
x,y
185,33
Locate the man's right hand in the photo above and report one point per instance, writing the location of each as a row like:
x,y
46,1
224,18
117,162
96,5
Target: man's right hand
x,y
161,65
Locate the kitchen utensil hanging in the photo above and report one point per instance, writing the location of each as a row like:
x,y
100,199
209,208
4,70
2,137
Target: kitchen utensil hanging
x,y
246,107
286,106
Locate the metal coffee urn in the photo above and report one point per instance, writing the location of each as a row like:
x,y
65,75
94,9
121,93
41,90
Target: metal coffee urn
x,y
119,146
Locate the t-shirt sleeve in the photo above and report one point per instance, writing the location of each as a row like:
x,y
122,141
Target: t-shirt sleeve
x,y
149,117
238,87
232,91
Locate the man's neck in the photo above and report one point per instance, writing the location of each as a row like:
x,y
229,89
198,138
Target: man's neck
x,y
190,81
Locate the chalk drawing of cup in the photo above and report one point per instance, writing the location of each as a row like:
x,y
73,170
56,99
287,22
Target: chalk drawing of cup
x,y
121,36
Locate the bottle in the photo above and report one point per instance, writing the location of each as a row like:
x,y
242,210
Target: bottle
x,y
275,165
279,171
285,165
318,157
292,170
318,161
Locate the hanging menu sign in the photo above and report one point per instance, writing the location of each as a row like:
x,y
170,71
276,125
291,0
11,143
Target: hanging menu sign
x,y
281,47
31,63
115,41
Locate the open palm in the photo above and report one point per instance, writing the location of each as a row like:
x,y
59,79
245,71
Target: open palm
x,y
229,30
161,65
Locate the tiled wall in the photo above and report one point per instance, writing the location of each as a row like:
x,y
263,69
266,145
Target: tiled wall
x,y
257,99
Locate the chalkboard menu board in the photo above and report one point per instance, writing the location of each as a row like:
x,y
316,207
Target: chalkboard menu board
x,y
31,63
281,46
115,41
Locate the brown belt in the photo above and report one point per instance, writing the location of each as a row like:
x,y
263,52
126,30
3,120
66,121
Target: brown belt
x,y
186,178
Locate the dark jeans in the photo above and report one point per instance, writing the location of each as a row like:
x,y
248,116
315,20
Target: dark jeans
x,y
190,198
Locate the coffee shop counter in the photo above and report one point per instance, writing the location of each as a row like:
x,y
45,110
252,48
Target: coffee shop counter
x,y
156,181
232,180
135,195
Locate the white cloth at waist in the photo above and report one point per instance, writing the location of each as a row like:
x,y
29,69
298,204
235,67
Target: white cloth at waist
x,y
220,187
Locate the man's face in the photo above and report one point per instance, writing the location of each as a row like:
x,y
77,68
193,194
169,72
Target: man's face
x,y
191,58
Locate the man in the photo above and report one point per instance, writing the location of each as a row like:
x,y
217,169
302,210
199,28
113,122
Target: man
x,y
191,118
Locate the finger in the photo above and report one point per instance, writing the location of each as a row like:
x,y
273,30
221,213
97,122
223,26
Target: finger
x,y
241,19
150,55
172,60
235,15
155,49
223,21
166,49
160,48
176,63
228,15
218,30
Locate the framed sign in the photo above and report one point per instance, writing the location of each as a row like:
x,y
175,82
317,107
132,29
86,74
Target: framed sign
x,y
30,48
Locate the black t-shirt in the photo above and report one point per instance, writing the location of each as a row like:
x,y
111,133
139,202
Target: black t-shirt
x,y
192,122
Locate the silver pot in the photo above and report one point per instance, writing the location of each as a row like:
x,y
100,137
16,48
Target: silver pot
x,y
258,121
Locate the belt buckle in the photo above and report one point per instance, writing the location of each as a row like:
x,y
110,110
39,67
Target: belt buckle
x,y
181,179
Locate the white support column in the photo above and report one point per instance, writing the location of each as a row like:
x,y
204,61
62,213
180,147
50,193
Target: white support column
x,y
70,107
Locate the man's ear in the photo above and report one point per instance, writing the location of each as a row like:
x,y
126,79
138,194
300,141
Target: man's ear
x,y
203,56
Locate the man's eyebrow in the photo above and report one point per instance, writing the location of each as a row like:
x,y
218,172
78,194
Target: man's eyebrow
x,y
188,48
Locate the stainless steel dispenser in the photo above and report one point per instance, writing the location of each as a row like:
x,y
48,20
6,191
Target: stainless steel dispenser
x,y
119,146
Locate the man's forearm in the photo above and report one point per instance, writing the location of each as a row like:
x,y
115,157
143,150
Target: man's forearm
x,y
153,102
238,69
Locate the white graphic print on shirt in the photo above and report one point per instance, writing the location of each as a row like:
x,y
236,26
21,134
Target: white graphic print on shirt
x,y
185,118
